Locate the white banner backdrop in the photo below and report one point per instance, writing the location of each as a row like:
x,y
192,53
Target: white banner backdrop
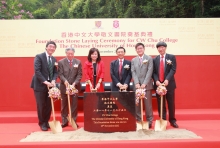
x,y
187,36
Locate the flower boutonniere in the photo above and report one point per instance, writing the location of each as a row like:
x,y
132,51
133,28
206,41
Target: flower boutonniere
x,y
55,64
145,61
169,62
75,65
127,66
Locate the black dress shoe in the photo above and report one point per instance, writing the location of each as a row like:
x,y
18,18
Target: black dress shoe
x,y
48,126
64,125
44,128
150,125
77,125
174,125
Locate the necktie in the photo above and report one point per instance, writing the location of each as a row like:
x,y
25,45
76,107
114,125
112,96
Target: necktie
x,y
50,68
71,63
161,69
120,68
140,61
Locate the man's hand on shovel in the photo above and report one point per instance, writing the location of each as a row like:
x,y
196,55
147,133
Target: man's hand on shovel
x,y
53,83
66,83
143,86
48,84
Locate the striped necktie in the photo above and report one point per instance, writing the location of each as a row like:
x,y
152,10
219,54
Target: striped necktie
x,y
50,68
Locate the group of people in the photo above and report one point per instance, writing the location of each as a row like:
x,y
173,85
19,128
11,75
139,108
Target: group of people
x,y
143,69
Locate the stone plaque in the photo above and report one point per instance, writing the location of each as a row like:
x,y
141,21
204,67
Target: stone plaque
x,y
109,112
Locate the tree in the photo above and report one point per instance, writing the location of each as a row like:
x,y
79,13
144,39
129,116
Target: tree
x,y
63,12
154,9
90,8
212,8
21,9
52,6
41,13
76,9
13,9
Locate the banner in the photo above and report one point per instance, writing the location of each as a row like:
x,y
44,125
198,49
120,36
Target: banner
x,y
184,36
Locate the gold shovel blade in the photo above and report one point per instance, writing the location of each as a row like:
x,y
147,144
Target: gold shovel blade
x,y
145,125
72,122
142,125
138,126
55,127
160,125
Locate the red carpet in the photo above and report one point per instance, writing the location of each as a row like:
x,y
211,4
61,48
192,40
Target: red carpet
x,y
205,123
181,114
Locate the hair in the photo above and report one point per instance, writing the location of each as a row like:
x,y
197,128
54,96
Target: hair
x,y
120,48
139,44
70,48
91,51
51,42
161,44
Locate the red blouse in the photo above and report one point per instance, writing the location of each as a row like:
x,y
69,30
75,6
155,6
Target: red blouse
x,y
88,71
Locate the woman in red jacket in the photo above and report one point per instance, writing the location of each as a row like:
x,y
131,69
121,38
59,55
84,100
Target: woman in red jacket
x,y
94,71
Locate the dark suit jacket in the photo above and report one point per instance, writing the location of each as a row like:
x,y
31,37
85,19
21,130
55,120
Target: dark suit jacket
x,y
169,71
71,74
41,72
126,74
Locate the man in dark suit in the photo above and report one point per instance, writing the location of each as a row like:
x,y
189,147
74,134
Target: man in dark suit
x,y
45,74
164,70
120,70
70,73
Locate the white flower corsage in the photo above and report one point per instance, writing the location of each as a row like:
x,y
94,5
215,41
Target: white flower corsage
x,y
55,64
75,65
169,62
145,61
126,66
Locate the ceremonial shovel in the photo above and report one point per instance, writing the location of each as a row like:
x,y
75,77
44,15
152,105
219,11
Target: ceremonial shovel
x,y
70,119
55,126
161,124
143,123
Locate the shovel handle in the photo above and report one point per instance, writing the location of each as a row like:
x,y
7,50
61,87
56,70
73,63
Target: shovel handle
x,y
52,109
161,107
141,110
52,105
68,96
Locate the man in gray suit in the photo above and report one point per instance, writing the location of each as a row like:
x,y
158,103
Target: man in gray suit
x,y
142,69
45,74
70,73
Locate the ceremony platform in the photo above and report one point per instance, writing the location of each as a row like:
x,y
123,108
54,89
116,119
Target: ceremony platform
x,y
15,126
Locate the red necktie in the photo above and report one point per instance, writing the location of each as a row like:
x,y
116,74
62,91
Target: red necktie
x,y
70,64
120,66
161,70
